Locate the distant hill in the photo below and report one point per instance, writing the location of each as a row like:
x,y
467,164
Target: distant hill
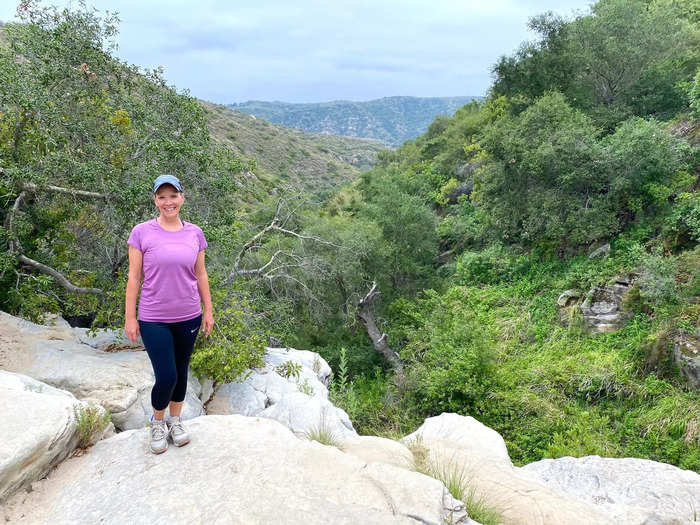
x,y
392,120
290,157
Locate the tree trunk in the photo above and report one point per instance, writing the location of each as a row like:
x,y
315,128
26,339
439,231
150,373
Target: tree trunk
x,y
379,339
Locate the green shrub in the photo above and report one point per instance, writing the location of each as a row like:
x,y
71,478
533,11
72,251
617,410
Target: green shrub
x,y
289,369
91,421
233,347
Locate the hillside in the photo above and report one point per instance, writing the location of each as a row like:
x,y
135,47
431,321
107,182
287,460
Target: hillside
x,y
289,156
392,120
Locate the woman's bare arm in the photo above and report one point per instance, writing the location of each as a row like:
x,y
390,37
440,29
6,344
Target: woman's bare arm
x,y
131,325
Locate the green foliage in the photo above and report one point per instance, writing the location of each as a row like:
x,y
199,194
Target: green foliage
x,y
236,343
289,369
552,182
91,422
625,58
323,433
448,353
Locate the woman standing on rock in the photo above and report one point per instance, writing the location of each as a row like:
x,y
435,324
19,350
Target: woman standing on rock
x,y
168,254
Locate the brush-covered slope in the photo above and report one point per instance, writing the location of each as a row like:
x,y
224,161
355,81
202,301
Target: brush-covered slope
x,y
292,157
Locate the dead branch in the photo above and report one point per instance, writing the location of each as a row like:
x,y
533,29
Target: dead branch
x,y
379,339
60,278
14,246
9,220
255,242
28,186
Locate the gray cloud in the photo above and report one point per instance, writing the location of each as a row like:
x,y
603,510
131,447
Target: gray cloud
x,y
312,50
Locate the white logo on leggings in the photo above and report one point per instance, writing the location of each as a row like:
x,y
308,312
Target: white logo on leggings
x,y
193,331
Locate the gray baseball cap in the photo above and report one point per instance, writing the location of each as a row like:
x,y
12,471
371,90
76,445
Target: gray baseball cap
x,y
167,179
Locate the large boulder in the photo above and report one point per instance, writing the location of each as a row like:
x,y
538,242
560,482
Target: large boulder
x,y
460,447
629,490
121,382
235,470
310,416
38,430
292,388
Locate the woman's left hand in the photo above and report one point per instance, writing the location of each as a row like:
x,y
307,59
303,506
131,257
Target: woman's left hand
x,y
207,323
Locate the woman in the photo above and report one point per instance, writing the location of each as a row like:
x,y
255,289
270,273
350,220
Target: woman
x,y
168,254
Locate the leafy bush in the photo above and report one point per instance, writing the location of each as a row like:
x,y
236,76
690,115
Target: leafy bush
x,y
91,421
235,344
289,369
492,265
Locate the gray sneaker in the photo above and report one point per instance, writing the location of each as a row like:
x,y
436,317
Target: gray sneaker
x,y
159,436
178,433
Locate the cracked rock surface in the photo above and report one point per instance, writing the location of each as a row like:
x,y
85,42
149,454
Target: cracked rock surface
x,y
236,470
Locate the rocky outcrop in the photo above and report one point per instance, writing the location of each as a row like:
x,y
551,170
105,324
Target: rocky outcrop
x,y
38,430
686,356
628,490
121,382
463,447
238,470
602,308
292,388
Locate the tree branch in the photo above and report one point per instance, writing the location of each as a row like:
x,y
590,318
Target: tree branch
x,y
60,278
379,339
28,186
12,245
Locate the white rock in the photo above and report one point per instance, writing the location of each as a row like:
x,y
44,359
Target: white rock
x,y
120,381
309,360
237,398
464,432
374,449
264,388
628,489
37,430
238,471
107,339
305,415
455,445
207,391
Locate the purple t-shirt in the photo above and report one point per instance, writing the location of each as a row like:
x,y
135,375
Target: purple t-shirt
x,y
169,292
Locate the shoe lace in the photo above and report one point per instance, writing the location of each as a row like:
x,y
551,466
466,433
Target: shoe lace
x,y
158,430
176,427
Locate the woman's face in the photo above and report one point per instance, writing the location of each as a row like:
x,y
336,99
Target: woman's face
x,y
168,201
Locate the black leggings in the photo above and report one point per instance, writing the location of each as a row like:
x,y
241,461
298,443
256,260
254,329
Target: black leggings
x,y
169,346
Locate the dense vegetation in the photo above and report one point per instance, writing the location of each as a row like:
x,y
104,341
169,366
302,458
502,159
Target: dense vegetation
x,y
392,120
489,216
470,232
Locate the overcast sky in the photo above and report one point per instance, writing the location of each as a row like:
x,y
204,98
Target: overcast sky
x,y
313,50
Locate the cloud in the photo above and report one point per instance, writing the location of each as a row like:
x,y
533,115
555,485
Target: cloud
x,y
313,50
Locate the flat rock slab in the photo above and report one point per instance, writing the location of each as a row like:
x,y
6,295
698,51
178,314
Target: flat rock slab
x,y
629,489
236,470
121,382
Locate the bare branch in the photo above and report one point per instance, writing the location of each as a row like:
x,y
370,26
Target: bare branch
x,y
379,339
60,278
28,186
12,245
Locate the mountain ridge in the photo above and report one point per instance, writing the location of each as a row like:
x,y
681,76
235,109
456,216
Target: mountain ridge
x,y
392,120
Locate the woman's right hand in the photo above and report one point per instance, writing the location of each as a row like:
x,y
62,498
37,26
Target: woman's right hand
x,y
131,327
